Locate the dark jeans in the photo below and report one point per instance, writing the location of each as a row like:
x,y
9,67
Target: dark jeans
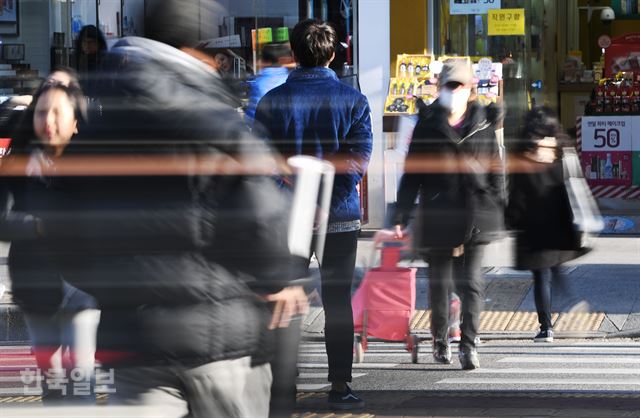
x,y
542,293
468,281
336,273
284,369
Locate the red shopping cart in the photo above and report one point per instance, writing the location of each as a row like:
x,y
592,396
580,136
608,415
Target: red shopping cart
x,y
385,302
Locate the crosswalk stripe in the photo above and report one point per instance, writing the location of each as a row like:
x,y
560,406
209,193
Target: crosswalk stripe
x,y
20,391
18,367
559,359
366,353
529,381
310,387
11,379
324,375
355,365
521,371
609,350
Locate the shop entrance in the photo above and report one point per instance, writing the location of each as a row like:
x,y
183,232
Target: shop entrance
x,y
529,60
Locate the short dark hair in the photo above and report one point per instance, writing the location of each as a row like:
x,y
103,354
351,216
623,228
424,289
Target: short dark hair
x,y
313,42
179,22
540,122
272,53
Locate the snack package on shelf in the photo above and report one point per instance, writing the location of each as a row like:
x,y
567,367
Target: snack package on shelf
x,y
417,77
413,66
399,105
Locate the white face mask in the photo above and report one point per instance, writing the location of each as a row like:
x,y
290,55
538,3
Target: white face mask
x,y
454,100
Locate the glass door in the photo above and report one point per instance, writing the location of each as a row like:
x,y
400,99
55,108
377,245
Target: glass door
x,y
524,58
109,18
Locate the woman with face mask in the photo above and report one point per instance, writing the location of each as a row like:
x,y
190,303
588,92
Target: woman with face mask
x,y
455,166
539,211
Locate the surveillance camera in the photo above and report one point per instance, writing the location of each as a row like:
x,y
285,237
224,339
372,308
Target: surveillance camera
x,y
607,15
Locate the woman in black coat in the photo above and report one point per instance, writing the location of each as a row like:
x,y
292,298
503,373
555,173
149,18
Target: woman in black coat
x,y
539,209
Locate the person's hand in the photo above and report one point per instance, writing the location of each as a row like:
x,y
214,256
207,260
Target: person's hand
x,y
288,302
401,233
384,235
395,234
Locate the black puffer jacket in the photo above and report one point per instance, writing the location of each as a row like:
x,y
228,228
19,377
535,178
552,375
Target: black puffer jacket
x,y
173,255
442,159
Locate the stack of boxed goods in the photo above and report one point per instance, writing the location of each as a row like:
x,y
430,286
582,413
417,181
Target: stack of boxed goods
x,y
417,78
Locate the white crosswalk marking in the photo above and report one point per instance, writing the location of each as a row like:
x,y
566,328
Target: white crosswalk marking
x,y
531,381
564,359
312,356
580,367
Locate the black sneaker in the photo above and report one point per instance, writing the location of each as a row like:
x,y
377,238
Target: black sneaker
x,y
345,400
441,352
544,336
468,358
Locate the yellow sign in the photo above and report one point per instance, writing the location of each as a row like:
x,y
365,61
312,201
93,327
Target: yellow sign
x,y
506,22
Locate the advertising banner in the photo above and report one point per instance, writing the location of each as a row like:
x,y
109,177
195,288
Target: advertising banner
x,y
607,145
472,7
607,133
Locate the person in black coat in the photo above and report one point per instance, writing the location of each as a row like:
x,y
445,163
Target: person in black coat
x,y
168,214
539,210
455,166
58,315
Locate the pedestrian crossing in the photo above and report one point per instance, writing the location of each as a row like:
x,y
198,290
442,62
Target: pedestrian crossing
x,y
583,367
579,367
313,357
13,361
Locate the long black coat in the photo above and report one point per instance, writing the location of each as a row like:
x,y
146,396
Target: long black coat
x,y
173,257
442,159
540,214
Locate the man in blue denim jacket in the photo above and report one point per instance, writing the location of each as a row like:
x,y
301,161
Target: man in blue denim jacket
x,y
313,113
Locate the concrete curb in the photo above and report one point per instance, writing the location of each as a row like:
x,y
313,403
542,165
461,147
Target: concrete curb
x,y
630,333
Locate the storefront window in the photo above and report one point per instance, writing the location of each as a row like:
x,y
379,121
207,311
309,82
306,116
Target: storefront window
x,y
523,56
274,19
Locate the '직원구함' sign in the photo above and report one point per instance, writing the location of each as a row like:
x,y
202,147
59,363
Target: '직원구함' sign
x,y
472,7
506,22
611,150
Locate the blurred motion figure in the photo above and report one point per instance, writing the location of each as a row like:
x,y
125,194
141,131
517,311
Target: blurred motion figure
x,y
539,211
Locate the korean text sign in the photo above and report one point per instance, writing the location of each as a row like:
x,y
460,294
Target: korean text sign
x,y
466,7
505,22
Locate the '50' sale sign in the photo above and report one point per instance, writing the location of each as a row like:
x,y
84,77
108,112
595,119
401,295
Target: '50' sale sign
x,y
607,133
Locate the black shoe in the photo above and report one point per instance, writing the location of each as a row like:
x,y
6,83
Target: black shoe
x,y
544,336
345,400
441,352
468,358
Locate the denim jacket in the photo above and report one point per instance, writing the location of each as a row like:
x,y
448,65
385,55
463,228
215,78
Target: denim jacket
x,y
313,113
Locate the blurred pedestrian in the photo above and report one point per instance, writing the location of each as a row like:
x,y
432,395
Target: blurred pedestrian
x,y
90,47
313,113
183,254
276,61
62,320
461,202
539,210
